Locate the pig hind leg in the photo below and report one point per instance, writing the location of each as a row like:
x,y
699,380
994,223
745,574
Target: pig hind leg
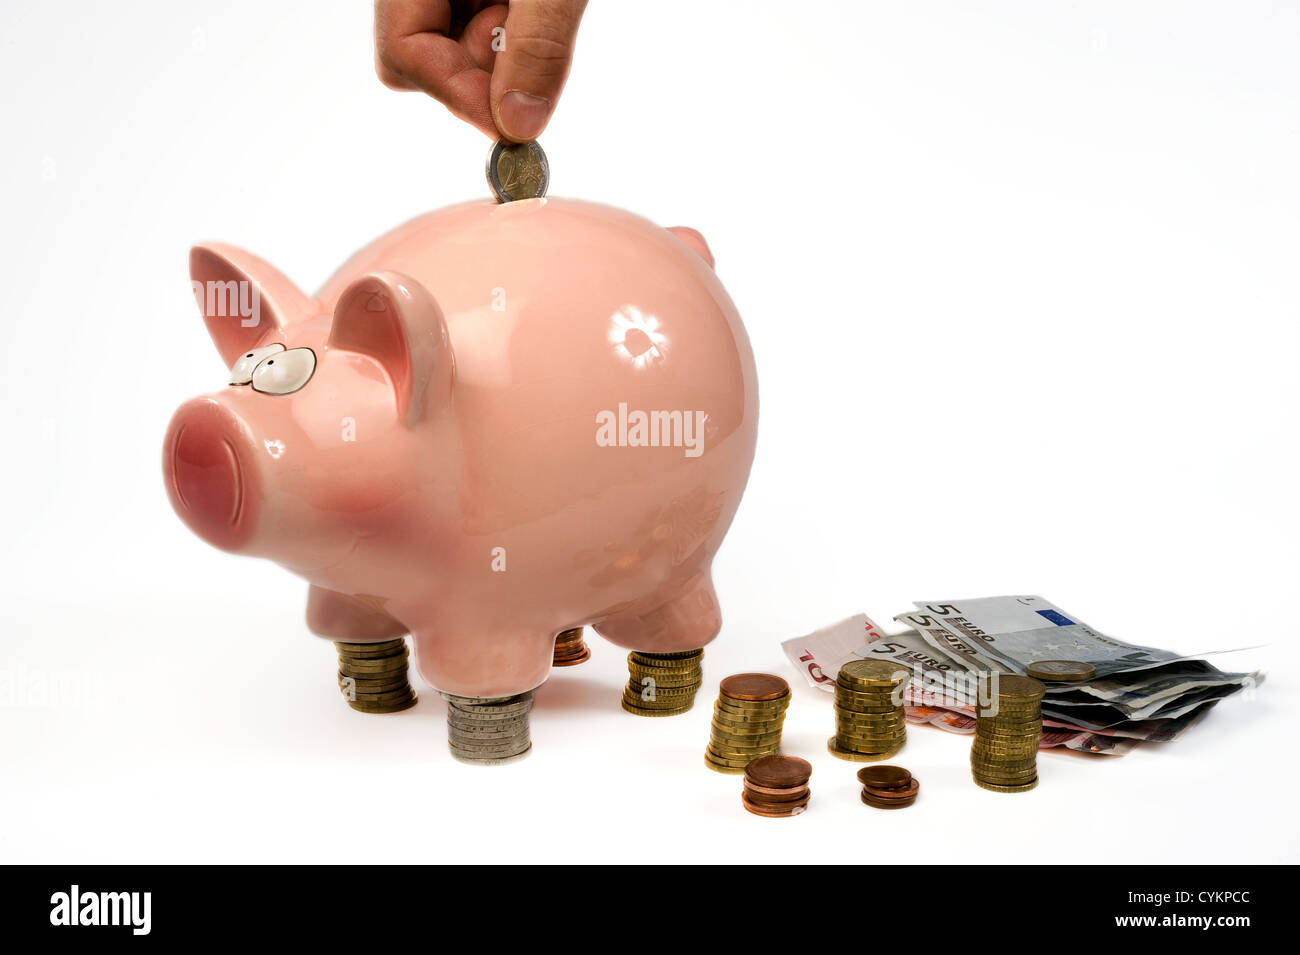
x,y
349,619
681,617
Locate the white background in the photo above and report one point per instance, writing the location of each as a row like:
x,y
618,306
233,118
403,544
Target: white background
x,y
1021,283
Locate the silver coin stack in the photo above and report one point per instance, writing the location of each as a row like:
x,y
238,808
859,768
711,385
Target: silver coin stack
x,y
488,732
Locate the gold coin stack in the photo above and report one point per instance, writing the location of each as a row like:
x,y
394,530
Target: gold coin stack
x,y
662,684
747,721
869,724
372,676
1004,755
570,649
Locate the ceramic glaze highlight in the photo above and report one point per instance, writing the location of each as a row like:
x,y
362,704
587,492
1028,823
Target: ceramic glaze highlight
x,y
514,419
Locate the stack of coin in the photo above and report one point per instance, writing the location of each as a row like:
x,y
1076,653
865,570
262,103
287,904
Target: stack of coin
x,y
570,649
1004,755
870,723
776,786
488,731
747,720
888,787
662,684
372,676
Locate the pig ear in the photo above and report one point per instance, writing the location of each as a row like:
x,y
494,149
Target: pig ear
x,y
244,300
694,240
393,319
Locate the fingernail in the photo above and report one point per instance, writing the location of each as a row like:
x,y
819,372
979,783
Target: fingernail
x,y
523,115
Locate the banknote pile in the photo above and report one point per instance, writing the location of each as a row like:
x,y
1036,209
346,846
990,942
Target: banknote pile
x,y
662,684
869,720
570,649
488,731
888,787
1103,695
747,721
777,786
372,676
1004,755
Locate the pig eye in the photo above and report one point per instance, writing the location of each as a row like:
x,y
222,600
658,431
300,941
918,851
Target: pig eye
x,y
241,373
285,372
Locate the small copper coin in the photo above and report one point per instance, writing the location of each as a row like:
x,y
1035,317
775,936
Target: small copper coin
x,y
884,803
766,799
884,777
779,772
751,786
773,813
895,795
756,687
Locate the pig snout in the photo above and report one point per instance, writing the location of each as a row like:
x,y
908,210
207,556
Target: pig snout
x,y
209,472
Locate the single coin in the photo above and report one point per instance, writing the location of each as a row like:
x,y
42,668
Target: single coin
x,y
756,687
779,772
884,777
517,171
1062,671
997,788
880,673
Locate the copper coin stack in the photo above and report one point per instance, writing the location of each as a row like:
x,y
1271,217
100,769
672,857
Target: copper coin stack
x,y
662,684
870,723
888,787
747,721
776,786
570,649
372,676
1004,755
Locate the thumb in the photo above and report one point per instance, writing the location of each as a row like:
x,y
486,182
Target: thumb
x,y
530,70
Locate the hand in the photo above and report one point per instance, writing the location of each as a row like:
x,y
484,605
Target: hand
x,y
448,49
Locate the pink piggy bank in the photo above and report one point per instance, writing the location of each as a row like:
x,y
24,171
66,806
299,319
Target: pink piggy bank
x,y
494,423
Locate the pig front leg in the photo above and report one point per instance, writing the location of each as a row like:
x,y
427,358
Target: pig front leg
x,y
683,616
487,677
373,659
479,662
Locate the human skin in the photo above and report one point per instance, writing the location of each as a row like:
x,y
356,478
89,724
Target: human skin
x,y
499,67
